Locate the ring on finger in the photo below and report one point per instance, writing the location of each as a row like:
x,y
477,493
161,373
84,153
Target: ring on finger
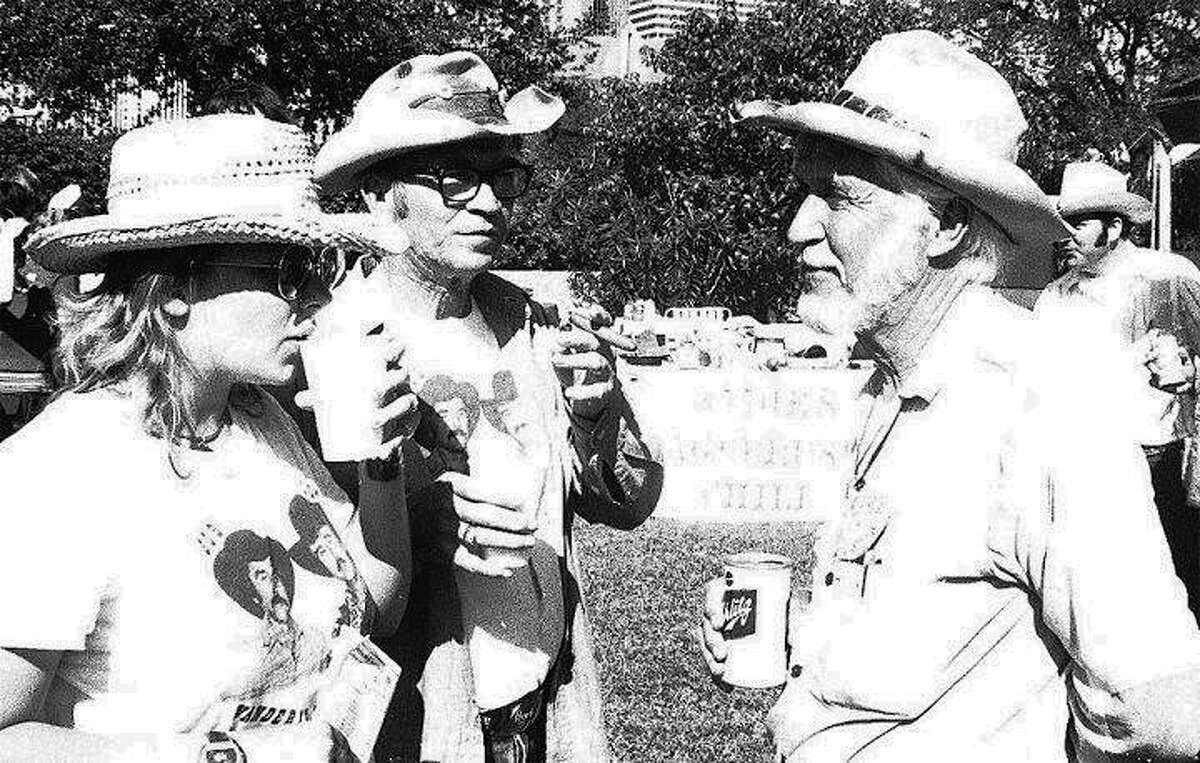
x,y
468,535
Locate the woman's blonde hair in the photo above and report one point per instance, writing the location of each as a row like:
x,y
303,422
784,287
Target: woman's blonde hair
x,y
119,335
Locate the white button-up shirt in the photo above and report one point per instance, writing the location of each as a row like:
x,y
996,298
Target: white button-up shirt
x,y
1102,310
1001,563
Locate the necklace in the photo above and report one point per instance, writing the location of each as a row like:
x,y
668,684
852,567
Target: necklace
x,y
201,442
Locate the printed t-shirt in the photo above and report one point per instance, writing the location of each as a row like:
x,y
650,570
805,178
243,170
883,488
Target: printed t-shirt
x,y
221,601
495,410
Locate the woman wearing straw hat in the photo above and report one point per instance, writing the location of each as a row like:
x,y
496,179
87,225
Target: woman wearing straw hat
x,y
149,609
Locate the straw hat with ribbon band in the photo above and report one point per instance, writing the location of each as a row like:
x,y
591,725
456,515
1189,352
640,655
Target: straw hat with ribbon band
x,y
429,101
1090,187
221,179
930,106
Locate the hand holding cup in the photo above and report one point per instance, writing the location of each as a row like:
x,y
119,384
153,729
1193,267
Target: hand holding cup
x,y
745,625
1170,364
360,393
711,634
1067,254
490,530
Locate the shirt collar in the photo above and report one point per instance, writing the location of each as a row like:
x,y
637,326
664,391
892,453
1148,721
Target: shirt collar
x,y
970,328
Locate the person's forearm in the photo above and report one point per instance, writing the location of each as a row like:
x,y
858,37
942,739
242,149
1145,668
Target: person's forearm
x,y
33,741
622,476
388,568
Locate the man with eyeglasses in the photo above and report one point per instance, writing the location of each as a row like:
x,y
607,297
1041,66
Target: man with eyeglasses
x,y
495,632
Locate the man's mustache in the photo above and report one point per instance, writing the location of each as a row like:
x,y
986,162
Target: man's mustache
x,y
821,280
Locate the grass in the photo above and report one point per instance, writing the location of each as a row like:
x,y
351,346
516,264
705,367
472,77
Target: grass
x,y
644,591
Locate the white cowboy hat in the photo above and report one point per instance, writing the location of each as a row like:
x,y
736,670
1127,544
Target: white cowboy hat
x,y
930,106
1095,187
220,179
429,101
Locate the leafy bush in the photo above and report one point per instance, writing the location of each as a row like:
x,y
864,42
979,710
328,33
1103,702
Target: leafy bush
x,y
654,192
59,157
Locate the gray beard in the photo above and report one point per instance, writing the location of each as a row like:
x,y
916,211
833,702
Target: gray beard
x,y
827,304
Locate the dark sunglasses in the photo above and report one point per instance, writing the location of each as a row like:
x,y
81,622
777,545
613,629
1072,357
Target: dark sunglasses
x,y
297,267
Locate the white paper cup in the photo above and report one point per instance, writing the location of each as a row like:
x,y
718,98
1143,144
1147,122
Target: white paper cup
x,y
757,586
345,373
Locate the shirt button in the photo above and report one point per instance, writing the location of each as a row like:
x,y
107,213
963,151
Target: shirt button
x,y
828,578
796,669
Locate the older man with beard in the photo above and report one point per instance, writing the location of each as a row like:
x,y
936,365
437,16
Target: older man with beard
x,y
996,586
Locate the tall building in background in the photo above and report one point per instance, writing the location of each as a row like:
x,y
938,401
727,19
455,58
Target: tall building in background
x,y
565,13
656,19
132,109
634,25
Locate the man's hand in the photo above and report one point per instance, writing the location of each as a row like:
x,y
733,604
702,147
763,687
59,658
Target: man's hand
x,y
584,364
1170,364
398,409
711,636
489,531
1067,254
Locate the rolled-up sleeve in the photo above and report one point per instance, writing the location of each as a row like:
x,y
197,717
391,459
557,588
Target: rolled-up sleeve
x,y
621,476
1085,538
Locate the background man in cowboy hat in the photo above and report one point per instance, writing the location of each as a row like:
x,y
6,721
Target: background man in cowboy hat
x,y
1138,310
972,594
436,156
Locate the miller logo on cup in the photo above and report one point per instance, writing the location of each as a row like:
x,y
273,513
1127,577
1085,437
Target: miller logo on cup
x,y
758,586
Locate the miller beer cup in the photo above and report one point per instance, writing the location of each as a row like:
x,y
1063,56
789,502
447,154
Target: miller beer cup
x,y
755,603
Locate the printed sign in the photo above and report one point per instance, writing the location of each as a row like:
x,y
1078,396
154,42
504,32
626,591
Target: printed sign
x,y
743,445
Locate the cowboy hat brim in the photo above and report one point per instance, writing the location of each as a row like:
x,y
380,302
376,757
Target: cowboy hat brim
x,y
396,130
1137,208
95,244
999,188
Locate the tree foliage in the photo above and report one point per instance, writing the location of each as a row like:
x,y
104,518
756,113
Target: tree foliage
x,y
59,157
647,186
318,54
1084,70
654,191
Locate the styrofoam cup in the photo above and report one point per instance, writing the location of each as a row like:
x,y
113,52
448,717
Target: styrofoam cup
x,y
345,372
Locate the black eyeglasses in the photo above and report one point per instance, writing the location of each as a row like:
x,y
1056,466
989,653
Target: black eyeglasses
x,y
297,267
458,185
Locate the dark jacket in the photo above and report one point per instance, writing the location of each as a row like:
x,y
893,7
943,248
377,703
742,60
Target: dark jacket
x,y
616,481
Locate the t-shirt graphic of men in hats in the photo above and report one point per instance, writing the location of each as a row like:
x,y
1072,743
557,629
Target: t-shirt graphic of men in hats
x,y
321,551
256,572
511,626
456,405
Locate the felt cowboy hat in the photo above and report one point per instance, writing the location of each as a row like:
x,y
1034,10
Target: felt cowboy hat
x,y
1089,187
220,179
429,101
932,107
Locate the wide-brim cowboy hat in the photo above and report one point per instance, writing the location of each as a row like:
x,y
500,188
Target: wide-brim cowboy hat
x,y
1094,187
429,101
927,105
221,179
